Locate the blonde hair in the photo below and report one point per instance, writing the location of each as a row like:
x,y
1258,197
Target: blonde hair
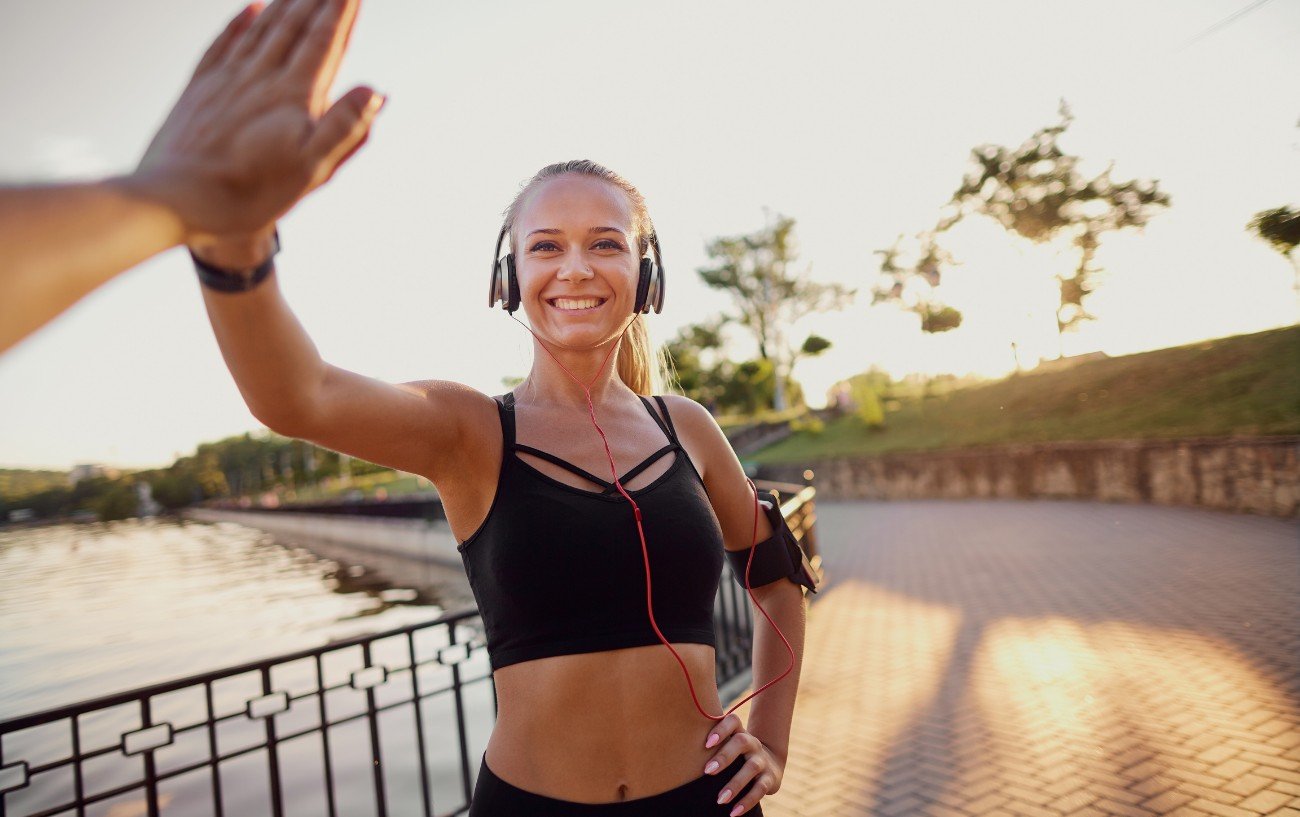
x,y
642,367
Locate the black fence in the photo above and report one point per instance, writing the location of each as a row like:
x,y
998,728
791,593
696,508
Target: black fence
x,y
385,724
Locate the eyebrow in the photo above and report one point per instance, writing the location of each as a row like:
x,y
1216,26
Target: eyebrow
x,y
592,231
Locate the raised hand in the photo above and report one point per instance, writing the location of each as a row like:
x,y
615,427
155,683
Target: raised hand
x,y
251,133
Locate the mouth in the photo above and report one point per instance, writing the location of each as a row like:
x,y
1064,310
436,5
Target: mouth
x,y
574,305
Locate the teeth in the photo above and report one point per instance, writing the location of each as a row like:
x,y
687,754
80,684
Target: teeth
x,y
586,303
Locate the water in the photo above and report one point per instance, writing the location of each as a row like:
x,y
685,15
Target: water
x,y
89,610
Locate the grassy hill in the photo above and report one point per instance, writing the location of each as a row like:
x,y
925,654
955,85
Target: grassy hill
x,y
1240,385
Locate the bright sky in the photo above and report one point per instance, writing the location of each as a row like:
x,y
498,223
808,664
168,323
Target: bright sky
x,y
855,118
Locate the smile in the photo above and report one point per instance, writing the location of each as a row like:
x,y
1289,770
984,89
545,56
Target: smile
x,y
577,304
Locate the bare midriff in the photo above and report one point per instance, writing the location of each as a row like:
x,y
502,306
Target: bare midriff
x,y
606,726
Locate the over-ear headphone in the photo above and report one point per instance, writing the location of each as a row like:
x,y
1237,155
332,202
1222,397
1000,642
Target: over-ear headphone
x,y
649,288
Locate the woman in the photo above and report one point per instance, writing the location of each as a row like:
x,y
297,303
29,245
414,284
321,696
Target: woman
x,y
593,716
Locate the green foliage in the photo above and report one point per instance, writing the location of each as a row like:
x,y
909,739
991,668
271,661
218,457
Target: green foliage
x,y
1280,227
896,271
1243,385
867,405
18,482
118,500
755,270
814,345
1037,191
937,318
808,424
689,353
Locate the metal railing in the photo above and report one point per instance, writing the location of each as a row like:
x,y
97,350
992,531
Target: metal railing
x,y
301,733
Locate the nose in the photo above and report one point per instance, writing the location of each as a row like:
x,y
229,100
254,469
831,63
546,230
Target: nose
x,y
574,268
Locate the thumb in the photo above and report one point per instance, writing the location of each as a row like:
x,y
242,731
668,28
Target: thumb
x,y
343,129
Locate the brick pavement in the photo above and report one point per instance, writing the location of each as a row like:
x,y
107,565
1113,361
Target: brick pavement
x,y
1048,659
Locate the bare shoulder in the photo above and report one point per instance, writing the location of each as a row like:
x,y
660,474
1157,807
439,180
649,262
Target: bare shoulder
x,y
695,424
729,491
473,416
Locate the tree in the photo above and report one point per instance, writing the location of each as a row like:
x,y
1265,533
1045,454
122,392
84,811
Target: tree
x,y
694,354
1280,227
935,316
755,270
1038,192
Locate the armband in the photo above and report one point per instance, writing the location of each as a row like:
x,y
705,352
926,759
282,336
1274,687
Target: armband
x,y
778,556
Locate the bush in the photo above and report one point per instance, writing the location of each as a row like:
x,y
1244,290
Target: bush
x,y
868,408
811,423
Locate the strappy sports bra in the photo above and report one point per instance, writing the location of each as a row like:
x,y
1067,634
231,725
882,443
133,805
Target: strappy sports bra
x,y
558,570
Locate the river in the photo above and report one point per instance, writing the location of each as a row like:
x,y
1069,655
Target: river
x,y
87,610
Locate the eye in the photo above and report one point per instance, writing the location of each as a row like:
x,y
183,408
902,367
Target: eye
x,y
608,244
544,246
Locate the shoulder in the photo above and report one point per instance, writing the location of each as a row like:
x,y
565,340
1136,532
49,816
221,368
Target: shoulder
x,y
698,427
469,420
689,411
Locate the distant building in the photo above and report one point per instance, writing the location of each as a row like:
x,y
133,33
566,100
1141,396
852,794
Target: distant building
x,y
90,469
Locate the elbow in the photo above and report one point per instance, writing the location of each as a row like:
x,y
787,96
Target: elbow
x,y
287,421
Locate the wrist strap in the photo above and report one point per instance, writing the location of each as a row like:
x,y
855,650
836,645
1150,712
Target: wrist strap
x,y
233,281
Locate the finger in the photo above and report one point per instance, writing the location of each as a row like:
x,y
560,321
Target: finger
x,y
762,785
222,44
337,49
722,731
306,63
736,785
316,57
287,31
342,130
265,22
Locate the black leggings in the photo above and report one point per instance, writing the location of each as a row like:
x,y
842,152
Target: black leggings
x,y
494,797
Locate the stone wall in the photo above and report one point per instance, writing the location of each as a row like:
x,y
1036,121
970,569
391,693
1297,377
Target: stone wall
x,y
1247,474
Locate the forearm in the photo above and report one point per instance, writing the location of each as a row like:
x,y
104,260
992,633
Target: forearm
x,y
772,711
274,362
58,243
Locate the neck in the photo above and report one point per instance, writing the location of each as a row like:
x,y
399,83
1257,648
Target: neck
x,y
548,383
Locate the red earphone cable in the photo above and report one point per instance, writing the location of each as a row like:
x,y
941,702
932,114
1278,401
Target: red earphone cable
x,y
645,553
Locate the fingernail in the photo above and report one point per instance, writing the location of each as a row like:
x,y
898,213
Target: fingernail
x,y
737,810
709,769
708,744
722,798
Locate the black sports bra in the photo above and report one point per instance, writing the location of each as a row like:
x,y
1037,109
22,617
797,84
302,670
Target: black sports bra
x,y
558,570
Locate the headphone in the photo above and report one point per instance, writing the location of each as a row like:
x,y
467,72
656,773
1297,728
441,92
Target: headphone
x,y
649,294
649,287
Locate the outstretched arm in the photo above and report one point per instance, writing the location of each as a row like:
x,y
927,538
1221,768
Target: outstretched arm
x,y
58,243
250,135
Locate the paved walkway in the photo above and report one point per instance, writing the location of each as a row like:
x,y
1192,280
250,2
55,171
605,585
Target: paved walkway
x,y
1048,659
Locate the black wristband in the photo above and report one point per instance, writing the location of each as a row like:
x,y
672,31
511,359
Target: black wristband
x,y
230,281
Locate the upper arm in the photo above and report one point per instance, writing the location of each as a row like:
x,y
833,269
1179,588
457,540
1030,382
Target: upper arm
x,y
418,427
724,479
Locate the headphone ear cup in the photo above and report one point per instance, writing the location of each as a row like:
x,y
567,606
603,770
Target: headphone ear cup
x,y
643,285
512,282
655,297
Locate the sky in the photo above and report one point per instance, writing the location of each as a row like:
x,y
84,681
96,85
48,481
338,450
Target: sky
x,y
856,119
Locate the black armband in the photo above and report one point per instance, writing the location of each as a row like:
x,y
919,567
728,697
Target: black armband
x,y
779,556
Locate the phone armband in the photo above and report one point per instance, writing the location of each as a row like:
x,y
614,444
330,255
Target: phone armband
x,y
777,557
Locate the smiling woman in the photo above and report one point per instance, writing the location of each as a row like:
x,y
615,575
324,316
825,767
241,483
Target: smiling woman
x,y
563,571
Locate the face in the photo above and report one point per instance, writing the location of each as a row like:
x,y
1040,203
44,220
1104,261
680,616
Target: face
x,y
576,259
